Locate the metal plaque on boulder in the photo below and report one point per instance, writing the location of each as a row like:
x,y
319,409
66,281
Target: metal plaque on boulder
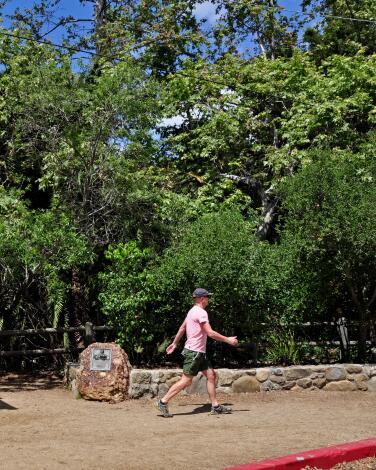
x,y
103,373
100,359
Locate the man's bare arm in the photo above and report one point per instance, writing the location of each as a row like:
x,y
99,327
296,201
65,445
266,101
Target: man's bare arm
x,y
171,348
231,340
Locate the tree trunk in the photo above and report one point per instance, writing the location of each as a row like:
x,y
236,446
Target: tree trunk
x,y
79,306
363,329
363,313
265,198
100,18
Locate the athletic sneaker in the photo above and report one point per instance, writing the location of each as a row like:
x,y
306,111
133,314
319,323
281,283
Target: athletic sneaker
x,y
220,410
163,408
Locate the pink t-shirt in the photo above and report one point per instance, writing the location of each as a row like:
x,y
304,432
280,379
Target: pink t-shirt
x,y
196,336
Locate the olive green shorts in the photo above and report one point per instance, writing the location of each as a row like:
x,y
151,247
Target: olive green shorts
x,y
195,362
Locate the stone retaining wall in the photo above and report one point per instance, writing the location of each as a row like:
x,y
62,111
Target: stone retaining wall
x,y
339,377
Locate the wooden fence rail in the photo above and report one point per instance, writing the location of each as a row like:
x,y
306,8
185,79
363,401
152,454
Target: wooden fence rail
x,y
39,352
71,329
89,334
41,331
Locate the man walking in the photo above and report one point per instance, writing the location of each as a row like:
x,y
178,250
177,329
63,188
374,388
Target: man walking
x,y
197,328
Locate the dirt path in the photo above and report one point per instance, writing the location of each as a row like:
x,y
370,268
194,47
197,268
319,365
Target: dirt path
x,y
43,427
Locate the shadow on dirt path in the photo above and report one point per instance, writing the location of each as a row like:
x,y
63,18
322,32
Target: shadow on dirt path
x,y
202,409
14,382
6,406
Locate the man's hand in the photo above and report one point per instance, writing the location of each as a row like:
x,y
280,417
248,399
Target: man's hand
x,y
171,348
232,340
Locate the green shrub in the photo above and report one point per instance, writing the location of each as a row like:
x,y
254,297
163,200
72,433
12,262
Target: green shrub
x,y
283,349
148,297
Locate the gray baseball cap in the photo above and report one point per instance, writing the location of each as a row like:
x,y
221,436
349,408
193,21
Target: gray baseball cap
x,y
200,292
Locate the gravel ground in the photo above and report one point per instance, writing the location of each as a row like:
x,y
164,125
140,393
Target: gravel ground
x,y
363,464
42,427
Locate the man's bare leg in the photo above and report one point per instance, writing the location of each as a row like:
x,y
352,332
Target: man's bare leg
x,y
177,387
210,385
216,408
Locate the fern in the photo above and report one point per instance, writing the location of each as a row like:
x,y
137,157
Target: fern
x,y
283,349
66,341
59,301
57,295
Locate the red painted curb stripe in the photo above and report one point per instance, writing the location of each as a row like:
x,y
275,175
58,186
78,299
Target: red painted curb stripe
x,y
324,458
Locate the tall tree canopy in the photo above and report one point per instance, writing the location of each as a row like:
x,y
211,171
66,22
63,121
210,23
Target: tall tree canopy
x,y
143,135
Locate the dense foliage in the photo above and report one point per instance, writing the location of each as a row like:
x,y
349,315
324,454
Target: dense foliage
x,y
236,154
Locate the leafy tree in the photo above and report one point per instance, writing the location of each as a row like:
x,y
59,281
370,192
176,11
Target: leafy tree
x,y
85,154
124,296
84,136
347,26
149,303
258,23
39,249
159,34
330,229
164,146
245,126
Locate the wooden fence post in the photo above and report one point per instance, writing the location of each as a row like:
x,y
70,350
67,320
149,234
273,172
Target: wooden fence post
x,y
89,334
344,335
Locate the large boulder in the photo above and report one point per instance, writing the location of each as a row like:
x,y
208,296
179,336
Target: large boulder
x,y
296,373
246,384
103,373
335,373
340,386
